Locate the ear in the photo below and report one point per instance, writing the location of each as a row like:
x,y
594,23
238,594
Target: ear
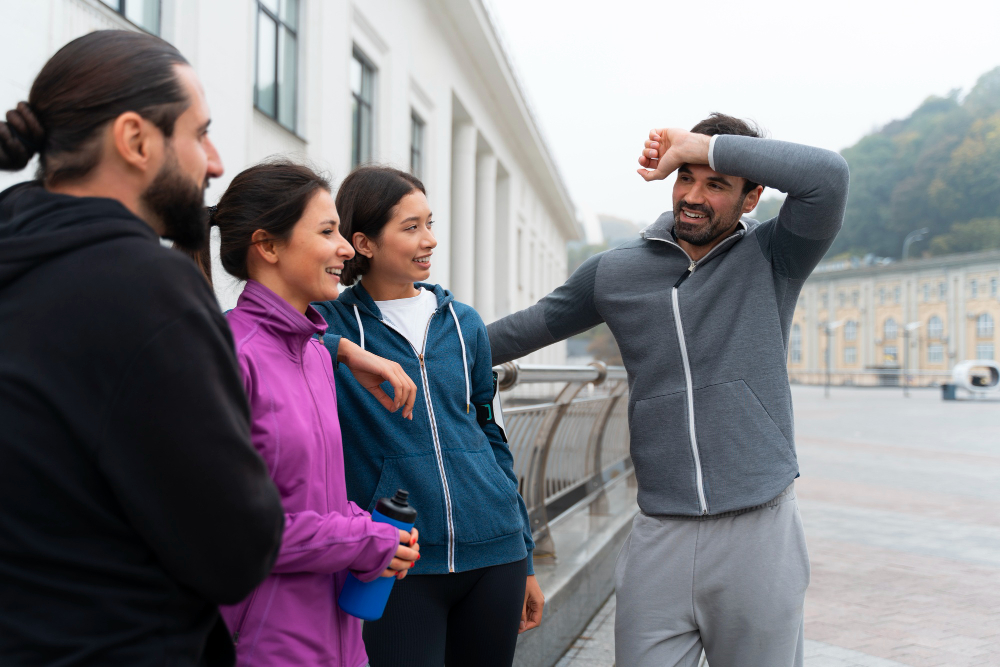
x,y
137,141
752,199
362,244
264,246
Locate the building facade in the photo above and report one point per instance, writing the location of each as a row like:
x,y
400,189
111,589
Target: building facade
x,y
918,317
423,85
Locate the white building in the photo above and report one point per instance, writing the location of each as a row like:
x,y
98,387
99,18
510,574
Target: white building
x,y
425,85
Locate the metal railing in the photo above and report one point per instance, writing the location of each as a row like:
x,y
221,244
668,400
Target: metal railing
x,y
871,377
568,449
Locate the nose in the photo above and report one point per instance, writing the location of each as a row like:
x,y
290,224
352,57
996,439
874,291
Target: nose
x,y
214,168
695,195
345,250
428,241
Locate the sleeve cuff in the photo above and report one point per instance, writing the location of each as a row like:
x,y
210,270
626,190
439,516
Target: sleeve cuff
x,y
531,563
711,152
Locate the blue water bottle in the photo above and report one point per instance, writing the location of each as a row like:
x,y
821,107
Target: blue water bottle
x,y
367,601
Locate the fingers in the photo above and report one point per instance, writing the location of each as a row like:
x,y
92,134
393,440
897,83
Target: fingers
x,y
406,553
382,398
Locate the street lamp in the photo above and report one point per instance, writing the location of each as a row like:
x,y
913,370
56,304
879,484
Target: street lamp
x,y
829,327
912,326
912,238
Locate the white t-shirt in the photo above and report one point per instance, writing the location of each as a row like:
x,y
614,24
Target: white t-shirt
x,y
409,316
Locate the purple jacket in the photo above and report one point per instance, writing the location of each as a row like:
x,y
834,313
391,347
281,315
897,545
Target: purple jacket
x,y
292,618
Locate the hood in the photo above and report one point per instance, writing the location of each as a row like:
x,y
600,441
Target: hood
x,y
662,229
357,295
37,225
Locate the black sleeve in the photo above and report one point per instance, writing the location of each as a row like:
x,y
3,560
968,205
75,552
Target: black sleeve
x,y
176,449
565,312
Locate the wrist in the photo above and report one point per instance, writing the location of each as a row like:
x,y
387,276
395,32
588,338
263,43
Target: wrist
x,y
346,350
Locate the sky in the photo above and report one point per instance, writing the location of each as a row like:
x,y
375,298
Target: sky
x,y
599,74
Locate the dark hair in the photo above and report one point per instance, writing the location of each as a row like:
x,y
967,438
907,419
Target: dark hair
x,y
720,123
87,83
271,196
366,201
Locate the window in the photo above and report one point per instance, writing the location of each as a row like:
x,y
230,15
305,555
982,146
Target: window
x,y
842,298
274,91
850,355
889,329
851,330
143,13
796,344
935,328
984,326
889,354
416,145
935,353
984,351
855,298
942,291
897,294
974,288
881,296
927,292
993,286
363,97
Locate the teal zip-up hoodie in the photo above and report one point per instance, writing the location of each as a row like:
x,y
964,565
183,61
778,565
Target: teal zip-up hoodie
x,y
460,474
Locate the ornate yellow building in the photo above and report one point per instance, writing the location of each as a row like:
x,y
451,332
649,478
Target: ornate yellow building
x,y
921,317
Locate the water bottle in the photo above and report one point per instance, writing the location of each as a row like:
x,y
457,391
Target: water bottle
x,y
367,601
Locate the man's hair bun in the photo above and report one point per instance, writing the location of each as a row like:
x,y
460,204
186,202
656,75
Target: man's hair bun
x,y
20,137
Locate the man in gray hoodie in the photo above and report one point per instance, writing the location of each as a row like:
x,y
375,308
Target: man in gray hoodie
x,y
701,306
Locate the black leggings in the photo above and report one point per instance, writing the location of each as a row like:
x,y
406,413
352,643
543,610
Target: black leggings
x,y
467,619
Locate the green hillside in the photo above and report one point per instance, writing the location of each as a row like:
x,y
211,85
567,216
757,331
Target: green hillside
x,y
939,168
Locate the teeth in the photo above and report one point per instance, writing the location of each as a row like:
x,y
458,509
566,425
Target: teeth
x,y
423,259
335,272
695,215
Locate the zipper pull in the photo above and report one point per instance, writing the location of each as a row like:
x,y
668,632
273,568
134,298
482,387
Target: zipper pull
x,y
421,357
685,275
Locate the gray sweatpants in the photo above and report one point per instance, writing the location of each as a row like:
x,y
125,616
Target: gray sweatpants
x,y
734,585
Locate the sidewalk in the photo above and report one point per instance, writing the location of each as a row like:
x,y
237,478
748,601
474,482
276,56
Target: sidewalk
x,y
900,500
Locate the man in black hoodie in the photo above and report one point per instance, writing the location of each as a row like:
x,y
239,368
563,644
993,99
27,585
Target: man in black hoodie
x,y
132,502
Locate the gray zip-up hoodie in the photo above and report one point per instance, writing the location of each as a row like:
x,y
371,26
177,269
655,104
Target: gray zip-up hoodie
x,y
705,343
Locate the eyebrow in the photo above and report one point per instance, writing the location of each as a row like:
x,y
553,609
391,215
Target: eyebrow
x,y
204,128
416,217
715,179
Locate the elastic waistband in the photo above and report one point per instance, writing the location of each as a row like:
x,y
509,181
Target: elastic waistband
x,y
783,497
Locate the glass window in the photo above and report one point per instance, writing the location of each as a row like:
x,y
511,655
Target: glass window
x,y
881,296
984,326
855,297
974,288
416,145
898,294
889,354
850,355
927,292
984,351
796,344
143,13
362,100
942,291
993,286
842,298
935,353
935,328
889,329
851,330
276,84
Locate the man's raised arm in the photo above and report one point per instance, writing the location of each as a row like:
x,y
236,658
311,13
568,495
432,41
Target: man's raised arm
x,y
565,312
816,181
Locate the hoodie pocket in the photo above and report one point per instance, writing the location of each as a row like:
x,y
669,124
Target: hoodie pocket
x,y
419,475
484,498
662,455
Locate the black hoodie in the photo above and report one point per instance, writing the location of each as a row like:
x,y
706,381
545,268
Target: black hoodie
x,y
131,499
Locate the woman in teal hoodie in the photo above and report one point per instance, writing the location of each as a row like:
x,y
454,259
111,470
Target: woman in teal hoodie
x,y
475,588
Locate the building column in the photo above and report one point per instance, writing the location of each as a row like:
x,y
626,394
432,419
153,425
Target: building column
x,y
486,235
463,210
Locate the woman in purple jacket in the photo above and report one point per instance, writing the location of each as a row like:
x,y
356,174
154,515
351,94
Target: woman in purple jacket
x,y
280,233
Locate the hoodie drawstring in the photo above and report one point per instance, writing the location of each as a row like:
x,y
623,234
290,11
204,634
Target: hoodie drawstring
x,y
361,327
465,362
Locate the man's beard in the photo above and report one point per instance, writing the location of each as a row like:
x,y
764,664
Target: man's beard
x,y
713,227
179,205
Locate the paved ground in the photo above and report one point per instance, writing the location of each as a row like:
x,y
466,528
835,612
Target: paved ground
x,y
901,504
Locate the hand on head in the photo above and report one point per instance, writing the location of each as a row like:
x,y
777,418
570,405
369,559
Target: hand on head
x,y
668,148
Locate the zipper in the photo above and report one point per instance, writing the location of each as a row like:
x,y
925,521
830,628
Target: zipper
x,y
435,437
243,617
689,384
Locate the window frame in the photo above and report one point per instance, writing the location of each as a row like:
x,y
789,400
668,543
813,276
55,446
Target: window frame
x,y
418,126
886,329
984,326
367,65
935,328
935,353
981,347
119,7
280,25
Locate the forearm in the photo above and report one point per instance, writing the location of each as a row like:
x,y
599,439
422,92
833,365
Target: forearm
x,y
327,543
815,179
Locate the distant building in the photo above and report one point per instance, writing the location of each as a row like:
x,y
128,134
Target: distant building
x,y
617,230
424,85
950,304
